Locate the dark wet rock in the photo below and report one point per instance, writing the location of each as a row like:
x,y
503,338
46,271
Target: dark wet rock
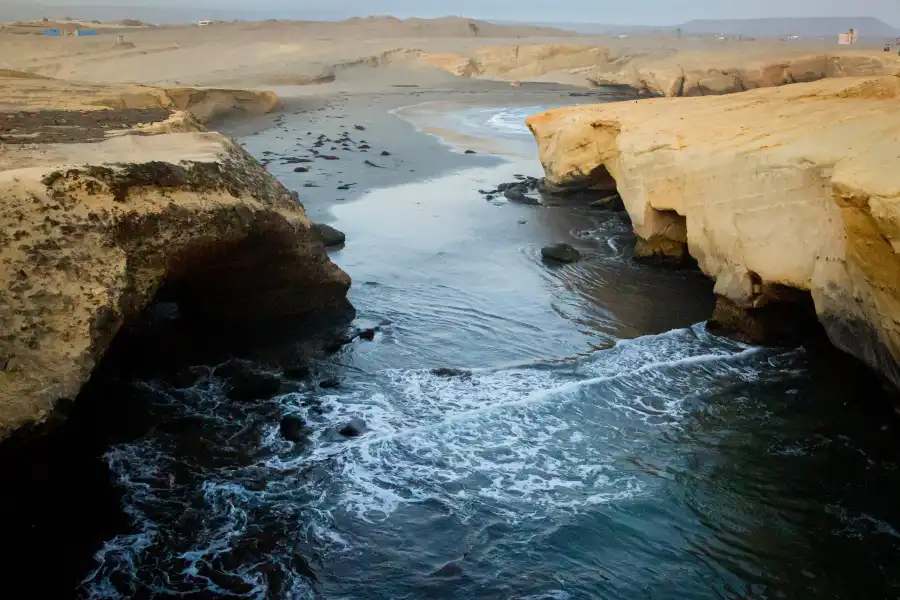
x,y
355,428
310,184
268,153
301,170
359,128
232,367
345,187
186,378
504,186
297,372
292,428
367,334
385,153
249,385
330,236
330,384
451,372
518,197
329,157
318,144
519,177
371,164
489,197
470,152
563,253
451,569
486,192
336,344
294,161
522,222
612,202
365,147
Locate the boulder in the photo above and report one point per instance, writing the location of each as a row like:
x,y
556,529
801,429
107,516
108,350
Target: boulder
x,y
562,253
329,235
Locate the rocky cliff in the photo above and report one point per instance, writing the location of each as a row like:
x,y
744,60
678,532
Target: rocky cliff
x,y
662,71
711,73
784,196
96,223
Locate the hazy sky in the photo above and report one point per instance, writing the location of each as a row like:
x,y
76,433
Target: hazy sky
x,y
643,12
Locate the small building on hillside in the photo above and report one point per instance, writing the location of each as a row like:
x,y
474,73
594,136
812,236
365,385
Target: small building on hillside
x,y
848,38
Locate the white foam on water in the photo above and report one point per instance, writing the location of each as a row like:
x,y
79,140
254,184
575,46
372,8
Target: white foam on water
x,y
519,443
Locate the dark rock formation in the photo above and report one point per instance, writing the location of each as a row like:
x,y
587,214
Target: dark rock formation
x,y
355,428
292,428
562,253
330,236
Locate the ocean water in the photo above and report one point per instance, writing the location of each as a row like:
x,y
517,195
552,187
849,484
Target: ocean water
x,y
596,442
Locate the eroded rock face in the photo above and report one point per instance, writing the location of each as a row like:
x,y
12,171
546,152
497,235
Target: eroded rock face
x,y
688,74
85,249
794,188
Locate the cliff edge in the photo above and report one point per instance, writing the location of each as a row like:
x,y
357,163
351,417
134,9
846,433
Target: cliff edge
x,y
780,194
105,209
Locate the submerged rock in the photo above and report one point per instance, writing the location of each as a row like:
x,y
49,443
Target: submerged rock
x,y
330,384
451,372
562,253
330,236
355,428
292,428
451,569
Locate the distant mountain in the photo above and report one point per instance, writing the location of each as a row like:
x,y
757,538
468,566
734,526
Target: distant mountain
x,y
866,27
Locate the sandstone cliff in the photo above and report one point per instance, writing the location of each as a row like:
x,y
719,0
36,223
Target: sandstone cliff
x,y
774,191
711,73
661,71
94,223
19,90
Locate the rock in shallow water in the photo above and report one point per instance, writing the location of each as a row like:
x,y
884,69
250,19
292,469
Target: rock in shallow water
x,y
292,428
562,253
330,384
515,194
250,385
355,428
330,236
449,372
